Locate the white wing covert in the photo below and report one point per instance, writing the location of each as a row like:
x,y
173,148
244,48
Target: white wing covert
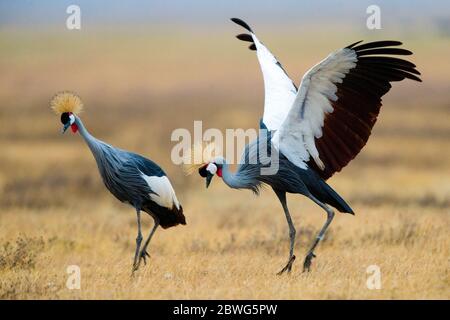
x,y
279,90
337,105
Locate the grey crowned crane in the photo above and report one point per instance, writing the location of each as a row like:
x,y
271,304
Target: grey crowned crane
x,y
130,177
316,129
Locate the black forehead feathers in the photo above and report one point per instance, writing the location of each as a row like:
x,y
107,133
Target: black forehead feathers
x,y
202,172
65,117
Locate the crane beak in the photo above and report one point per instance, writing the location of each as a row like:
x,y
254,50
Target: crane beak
x,y
66,126
209,177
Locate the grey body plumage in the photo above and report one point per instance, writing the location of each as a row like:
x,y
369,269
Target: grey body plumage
x,y
288,177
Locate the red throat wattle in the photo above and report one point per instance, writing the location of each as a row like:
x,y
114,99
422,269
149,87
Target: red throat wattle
x,y
73,126
219,172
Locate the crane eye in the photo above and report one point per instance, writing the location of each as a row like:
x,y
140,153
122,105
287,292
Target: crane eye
x,y
202,172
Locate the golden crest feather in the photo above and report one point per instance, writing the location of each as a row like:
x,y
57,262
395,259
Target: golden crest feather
x,y
199,155
66,101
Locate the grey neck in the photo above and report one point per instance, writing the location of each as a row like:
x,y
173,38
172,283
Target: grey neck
x,y
105,156
231,179
91,141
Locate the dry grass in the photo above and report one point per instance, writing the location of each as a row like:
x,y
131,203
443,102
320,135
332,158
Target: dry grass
x,y
55,212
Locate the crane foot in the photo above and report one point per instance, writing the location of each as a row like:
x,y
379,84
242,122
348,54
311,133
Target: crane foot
x,y
143,255
134,269
308,260
288,266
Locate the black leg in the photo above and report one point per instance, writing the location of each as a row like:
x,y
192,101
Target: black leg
x,y
144,254
138,241
330,216
282,197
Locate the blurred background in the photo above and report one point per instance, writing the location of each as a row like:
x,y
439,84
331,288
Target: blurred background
x,y
145,68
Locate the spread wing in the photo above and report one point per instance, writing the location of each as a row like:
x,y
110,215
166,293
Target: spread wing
x,y
337,105
280,91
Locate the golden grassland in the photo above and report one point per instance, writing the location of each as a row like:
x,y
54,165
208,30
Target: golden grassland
x,y
137,88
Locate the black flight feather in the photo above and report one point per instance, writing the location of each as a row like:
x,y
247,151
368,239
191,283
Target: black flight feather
x,y
353,44
241,23
245,37
396,51
377,44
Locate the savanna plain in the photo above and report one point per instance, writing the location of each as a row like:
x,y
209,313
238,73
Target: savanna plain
x,y
140,85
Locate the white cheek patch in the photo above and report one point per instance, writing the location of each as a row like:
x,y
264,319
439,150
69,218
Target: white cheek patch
x,y
72,119
211,168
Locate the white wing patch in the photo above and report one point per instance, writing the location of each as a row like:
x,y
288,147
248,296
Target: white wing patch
x,y
305,119
279,90
164,195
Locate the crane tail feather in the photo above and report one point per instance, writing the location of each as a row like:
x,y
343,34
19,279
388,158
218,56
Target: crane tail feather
x,y
172,218
334,199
